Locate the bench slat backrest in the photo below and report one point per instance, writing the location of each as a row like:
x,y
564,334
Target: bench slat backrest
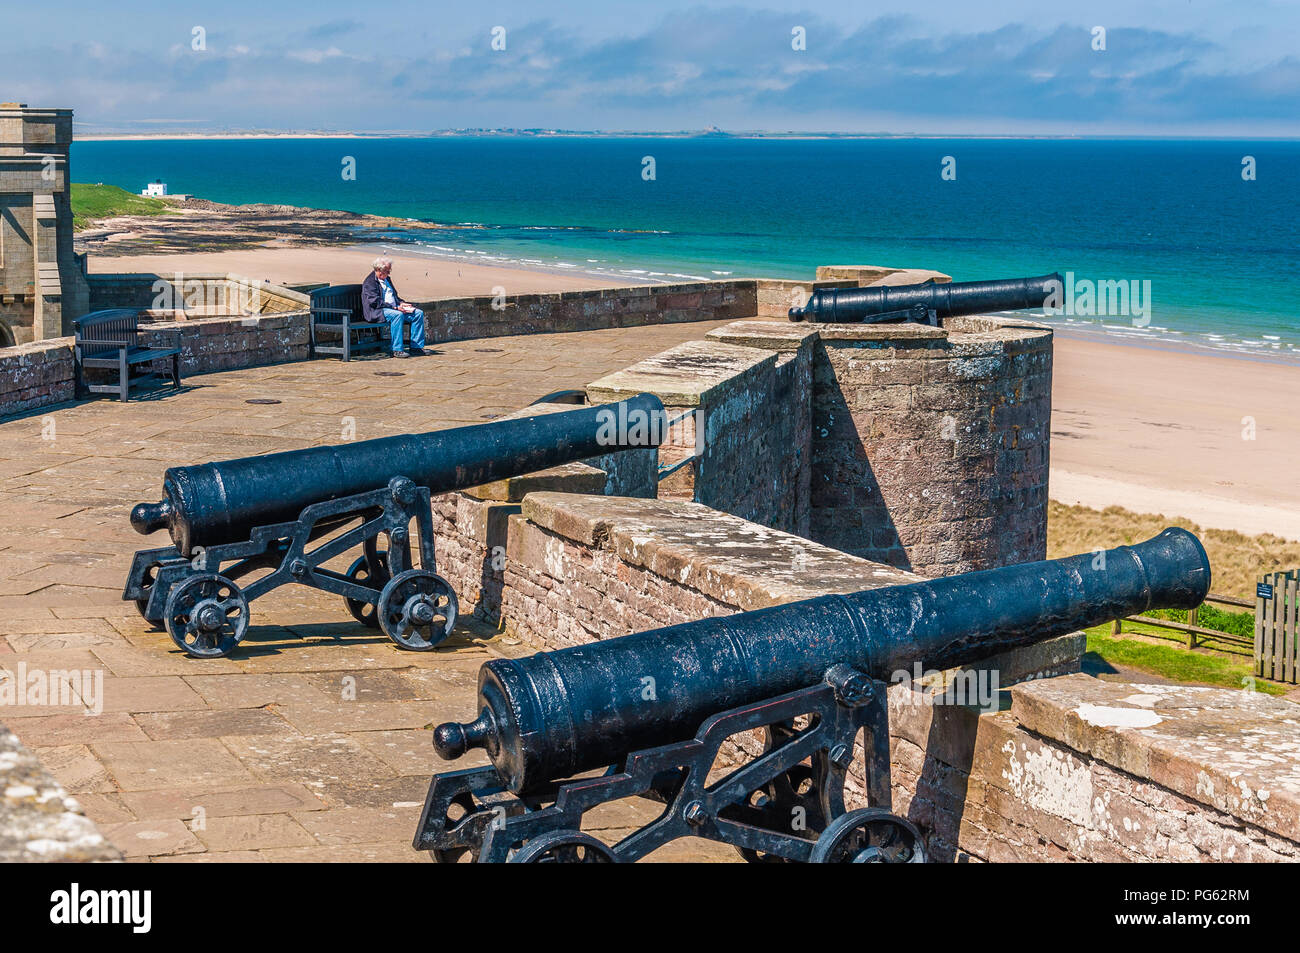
x,y
107,331
338,296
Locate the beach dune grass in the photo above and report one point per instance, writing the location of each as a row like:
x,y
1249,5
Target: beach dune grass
x,y
1236,559
91,203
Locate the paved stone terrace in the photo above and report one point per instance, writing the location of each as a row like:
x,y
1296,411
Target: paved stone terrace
x,y
278,761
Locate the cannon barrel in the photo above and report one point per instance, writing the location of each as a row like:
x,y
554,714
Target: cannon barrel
x,y
216,503
555,714
858,305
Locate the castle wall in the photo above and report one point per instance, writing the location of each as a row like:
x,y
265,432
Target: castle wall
x,y
458,319
929,445
42,284
748,427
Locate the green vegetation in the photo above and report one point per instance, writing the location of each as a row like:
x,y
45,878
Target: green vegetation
x,y
1212,617
91,202
1178,664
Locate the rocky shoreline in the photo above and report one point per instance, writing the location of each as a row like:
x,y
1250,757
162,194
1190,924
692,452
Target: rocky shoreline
x,y
200,225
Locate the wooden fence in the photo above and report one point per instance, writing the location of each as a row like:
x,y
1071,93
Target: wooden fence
x,y
1277,606
1191,629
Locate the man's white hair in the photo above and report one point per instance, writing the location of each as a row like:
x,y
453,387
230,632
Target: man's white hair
x,y
380,263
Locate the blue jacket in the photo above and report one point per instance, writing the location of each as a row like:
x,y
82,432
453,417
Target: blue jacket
x,y
372,298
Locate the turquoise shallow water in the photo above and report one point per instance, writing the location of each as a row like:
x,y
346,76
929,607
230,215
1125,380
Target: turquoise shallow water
x,y
1220,253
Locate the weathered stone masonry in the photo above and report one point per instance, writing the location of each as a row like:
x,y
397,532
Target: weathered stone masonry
x,y
924,448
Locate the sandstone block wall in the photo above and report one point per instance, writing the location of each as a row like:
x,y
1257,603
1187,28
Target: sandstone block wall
x,y
35,375
1086,770
42,288
41,373
929,445
749,430
775,297
197,295
39,821
219,344
580,568
458,319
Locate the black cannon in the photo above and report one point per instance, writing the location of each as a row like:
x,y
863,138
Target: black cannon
x,y
925,303
287,514
650,712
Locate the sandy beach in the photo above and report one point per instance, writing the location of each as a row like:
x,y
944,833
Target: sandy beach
x,y
1211,438
418,277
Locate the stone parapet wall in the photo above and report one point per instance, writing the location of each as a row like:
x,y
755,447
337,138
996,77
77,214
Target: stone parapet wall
x,y
879,275
580,568
40,374
193,294
221,344
929,445
459,319
1086,770
35,375
39,821
748,430
775,297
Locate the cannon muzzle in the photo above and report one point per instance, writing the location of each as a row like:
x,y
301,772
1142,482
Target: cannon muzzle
x,y
925,302
216,503
555,714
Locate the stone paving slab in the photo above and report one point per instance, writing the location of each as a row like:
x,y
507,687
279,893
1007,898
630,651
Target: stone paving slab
x,y
312,743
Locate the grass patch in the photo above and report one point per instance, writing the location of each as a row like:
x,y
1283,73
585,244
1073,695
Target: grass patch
x,y
1235,558
1213,617
92,202
1178,664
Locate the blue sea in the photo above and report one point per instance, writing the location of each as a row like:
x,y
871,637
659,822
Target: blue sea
x,y
1221,252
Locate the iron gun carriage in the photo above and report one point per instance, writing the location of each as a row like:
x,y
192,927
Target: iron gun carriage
x,y
651,711
287,514
925,303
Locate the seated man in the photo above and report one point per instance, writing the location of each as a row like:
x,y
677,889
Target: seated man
x,y
381,302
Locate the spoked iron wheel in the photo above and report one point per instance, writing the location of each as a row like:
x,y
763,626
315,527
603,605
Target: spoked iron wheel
x,y
207,615
360,571
564,847
417,609
142,604
869,836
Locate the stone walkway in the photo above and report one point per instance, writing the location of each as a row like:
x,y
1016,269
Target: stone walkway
x,y
312,741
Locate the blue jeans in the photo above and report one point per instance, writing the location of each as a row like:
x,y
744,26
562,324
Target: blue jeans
x,y
395,320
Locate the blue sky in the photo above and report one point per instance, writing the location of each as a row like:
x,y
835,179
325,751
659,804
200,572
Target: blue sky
x,y
1170,67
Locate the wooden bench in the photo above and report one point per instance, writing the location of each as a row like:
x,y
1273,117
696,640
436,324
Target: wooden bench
x,y
337,312
109,340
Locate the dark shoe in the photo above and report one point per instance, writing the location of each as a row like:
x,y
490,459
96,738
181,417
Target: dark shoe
x,y
418,352
400,354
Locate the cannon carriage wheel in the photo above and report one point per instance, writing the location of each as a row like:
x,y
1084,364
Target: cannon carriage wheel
x,y
564,847
869,836
206,615
366,573
417,609
142,603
